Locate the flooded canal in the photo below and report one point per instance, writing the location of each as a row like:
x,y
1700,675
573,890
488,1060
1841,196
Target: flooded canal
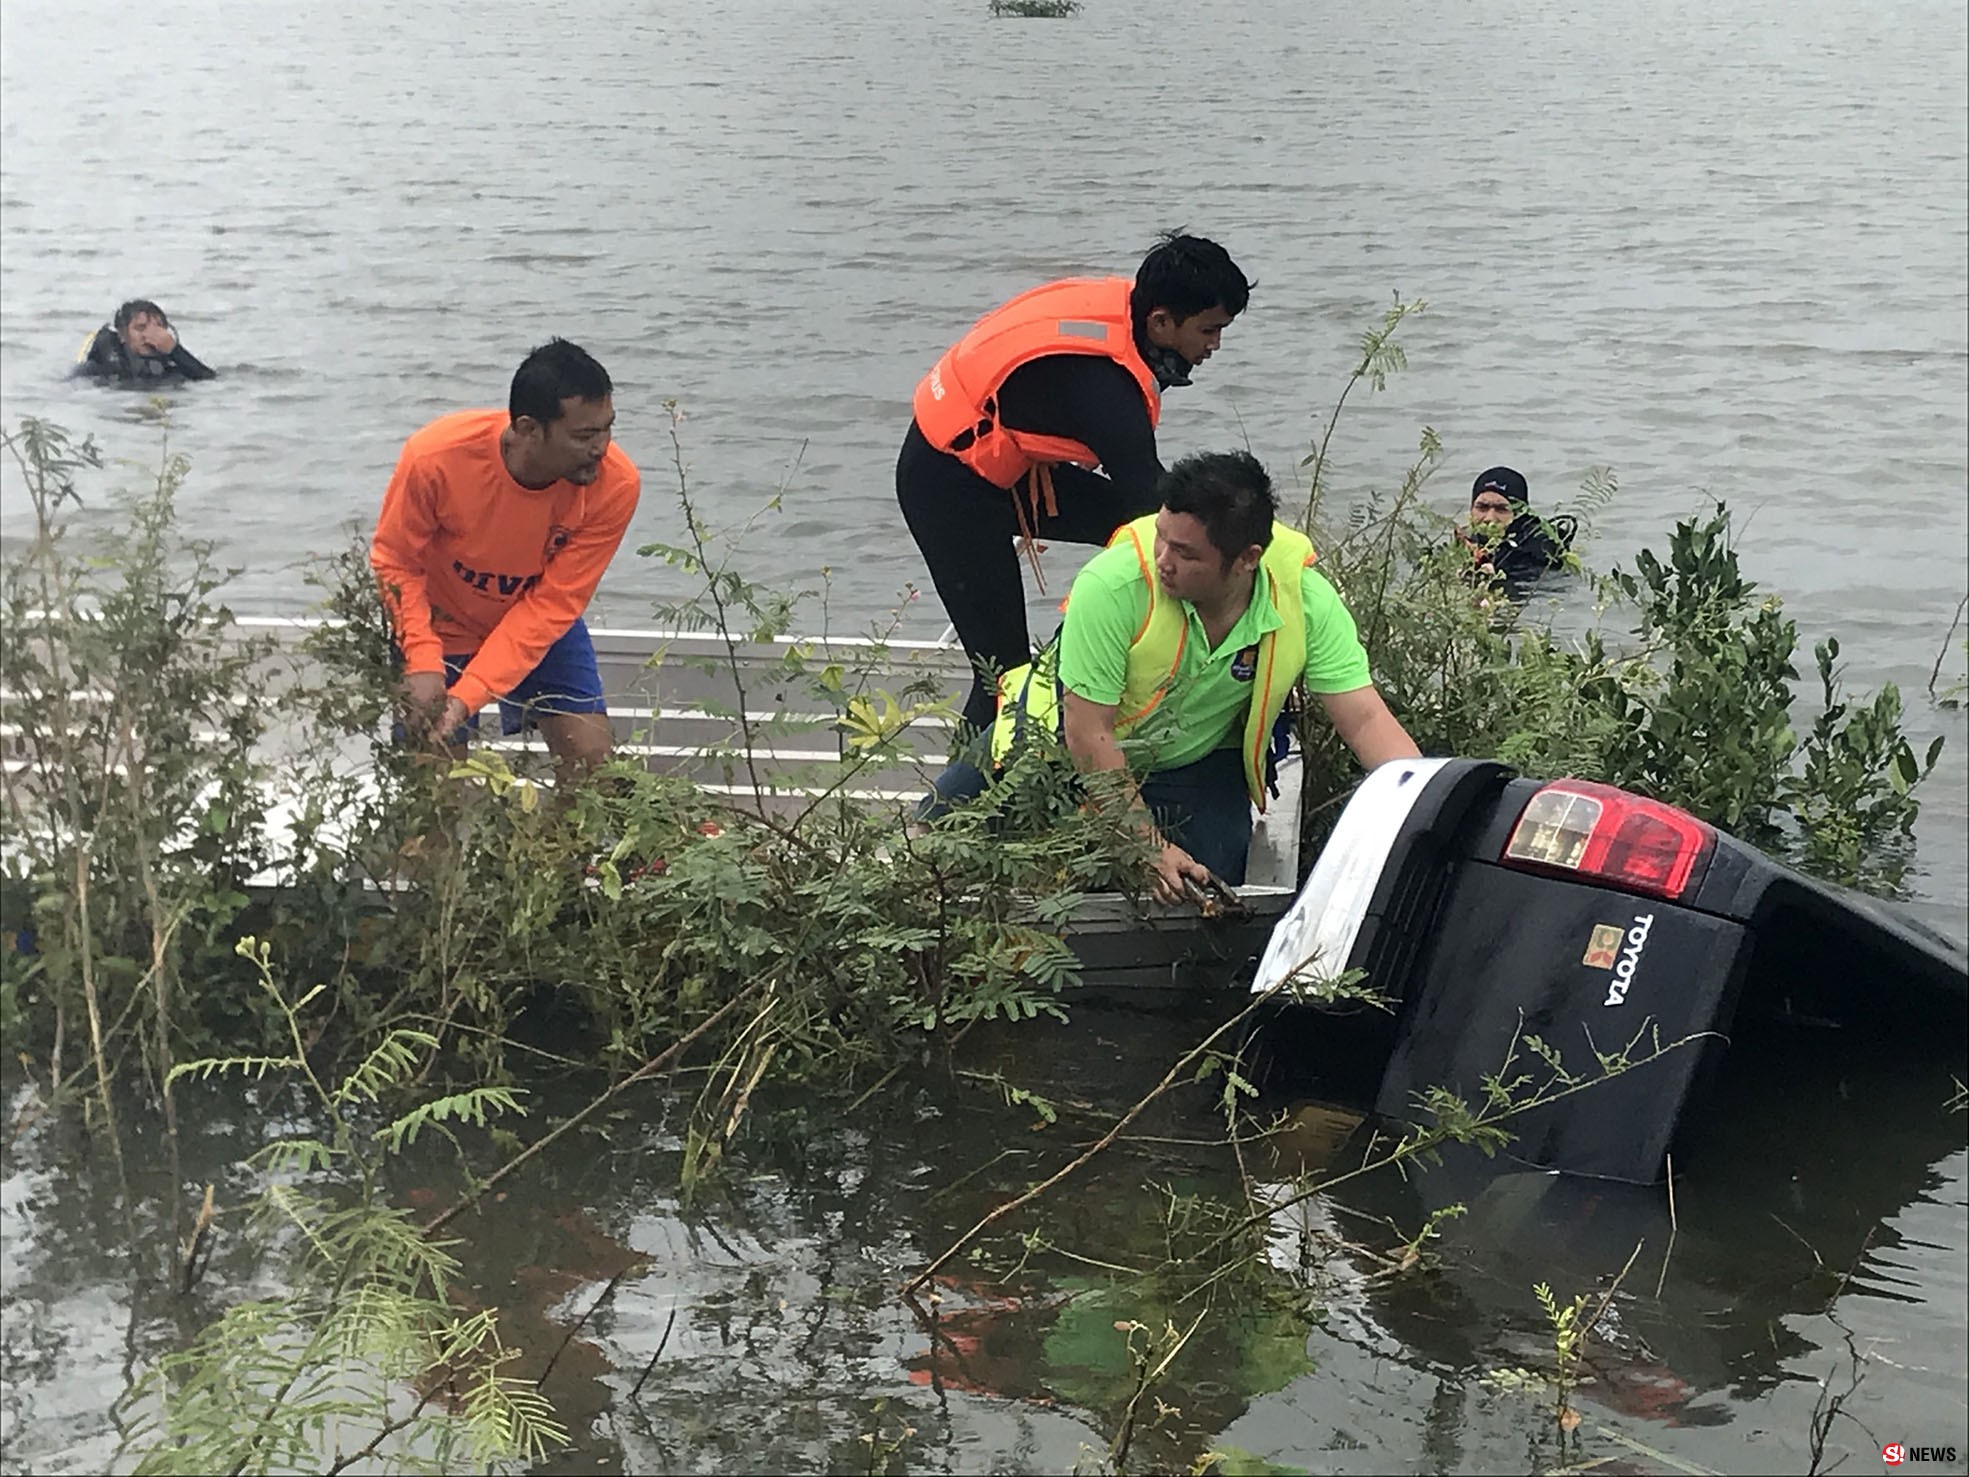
x,y
1815,1238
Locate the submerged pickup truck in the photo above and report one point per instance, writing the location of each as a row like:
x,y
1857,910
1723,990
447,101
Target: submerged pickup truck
x,y
1492,911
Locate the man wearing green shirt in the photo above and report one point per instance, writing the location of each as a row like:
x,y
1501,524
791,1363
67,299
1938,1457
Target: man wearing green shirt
x,y
1178,646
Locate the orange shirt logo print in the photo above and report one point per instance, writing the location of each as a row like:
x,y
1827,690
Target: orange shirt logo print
x,y
489,582
512,586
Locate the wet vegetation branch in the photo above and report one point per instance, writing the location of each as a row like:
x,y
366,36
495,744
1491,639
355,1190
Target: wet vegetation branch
x,y
661,1062
1119,1127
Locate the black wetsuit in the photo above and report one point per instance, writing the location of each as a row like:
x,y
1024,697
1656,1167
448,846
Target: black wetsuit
x,y
1529,547
965,526
109,359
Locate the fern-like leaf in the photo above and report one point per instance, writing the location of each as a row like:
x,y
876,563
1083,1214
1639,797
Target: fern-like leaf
x,y
471,1107
389,1064
295,1156
255,1067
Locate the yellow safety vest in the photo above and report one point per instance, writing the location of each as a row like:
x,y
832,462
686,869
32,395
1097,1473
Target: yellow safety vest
x,y
1030,694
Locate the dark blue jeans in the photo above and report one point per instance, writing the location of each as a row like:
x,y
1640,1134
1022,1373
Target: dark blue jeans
x,y
1204,808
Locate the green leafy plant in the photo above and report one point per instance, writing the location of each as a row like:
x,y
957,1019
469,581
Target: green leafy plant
x,y
133,805
1713,735
1852,798
1380,356
1691,705
1416,1252
804,939
1463,669
1568,1339
1713,732
1569,1325
862,937
364,1364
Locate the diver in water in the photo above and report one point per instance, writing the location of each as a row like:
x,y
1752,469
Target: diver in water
x,y
1506,540
139,347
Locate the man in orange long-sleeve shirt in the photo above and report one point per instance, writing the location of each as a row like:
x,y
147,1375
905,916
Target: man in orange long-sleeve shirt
x,y
494,533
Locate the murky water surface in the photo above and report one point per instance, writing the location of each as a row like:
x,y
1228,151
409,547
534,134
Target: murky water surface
x,y
1721,248
1816,1235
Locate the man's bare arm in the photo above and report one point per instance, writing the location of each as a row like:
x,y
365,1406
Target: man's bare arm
x,y
1365,725
1090,734
1095,749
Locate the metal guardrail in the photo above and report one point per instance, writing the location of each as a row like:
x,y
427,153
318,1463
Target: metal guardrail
x,y
673,698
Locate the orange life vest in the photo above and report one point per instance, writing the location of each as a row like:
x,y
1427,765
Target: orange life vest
x,y
957,402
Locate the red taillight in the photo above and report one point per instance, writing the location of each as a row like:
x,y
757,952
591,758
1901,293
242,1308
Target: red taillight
x,y
1641,845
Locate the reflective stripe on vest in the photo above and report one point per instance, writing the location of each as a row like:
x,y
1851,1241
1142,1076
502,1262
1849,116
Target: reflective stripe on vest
x,y
1030,694
956,404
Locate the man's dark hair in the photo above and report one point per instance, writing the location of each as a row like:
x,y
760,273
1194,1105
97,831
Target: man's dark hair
x,y
1187,275
1230,493
135,306
556,371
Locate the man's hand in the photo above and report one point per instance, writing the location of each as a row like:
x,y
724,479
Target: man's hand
x,y
1173,868
1091,740
430,714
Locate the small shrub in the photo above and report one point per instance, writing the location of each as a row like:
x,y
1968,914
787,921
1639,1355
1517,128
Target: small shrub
x,y
1690,705
134,810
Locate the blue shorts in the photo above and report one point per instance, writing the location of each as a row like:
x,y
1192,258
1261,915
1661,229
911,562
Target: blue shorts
x,y
567,680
